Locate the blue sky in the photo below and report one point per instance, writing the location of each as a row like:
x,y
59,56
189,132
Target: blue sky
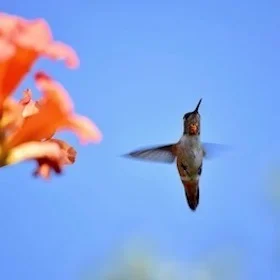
x,y
144,65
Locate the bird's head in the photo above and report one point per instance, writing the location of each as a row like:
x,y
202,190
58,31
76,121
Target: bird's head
x,y
192,121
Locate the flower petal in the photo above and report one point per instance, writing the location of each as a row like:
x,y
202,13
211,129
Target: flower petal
x,y
22,42
34,150
61,51
13,70
12,118
43,170
84,128
54,91
36,35
55,113
55,106
7,50
45,166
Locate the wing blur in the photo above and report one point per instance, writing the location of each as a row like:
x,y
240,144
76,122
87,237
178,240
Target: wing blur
x,y
213,150
163,154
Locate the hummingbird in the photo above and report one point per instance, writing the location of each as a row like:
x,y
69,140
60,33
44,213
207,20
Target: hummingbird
x,y
189,153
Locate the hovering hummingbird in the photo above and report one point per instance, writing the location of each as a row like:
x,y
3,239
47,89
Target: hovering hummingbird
x,y
189,153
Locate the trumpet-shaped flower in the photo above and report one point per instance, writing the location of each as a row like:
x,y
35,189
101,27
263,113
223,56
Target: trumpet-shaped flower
x,y
37,122
56,113
22,42
27,127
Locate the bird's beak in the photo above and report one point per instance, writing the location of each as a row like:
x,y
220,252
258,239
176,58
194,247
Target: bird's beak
x,y
197,107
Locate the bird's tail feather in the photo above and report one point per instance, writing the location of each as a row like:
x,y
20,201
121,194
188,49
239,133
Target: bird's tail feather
x,y
192,193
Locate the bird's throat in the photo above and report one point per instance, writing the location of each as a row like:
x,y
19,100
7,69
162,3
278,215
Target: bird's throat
x,y
190,140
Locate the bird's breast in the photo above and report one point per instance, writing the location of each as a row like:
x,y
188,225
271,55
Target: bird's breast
x,y
190,152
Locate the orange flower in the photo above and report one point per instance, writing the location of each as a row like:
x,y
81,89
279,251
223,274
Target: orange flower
x,y
56,113
22,42
46,164
51,155
27,126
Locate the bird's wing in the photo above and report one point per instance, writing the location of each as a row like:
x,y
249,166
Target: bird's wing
x,y
213,150
163,154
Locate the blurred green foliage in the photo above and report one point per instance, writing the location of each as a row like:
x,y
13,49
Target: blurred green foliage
x,y
138,263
